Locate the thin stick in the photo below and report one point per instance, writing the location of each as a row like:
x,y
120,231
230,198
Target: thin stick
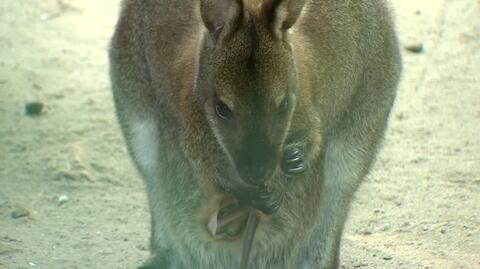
x,y
248,238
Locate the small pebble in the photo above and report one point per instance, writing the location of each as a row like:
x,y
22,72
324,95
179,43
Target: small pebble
x,y
44,17
64,175
62,199
86,175
388,258
34,108
36,86
400,116
20,213
415,48
142,247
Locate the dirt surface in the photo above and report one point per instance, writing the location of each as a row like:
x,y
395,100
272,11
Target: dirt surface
x,y
70,197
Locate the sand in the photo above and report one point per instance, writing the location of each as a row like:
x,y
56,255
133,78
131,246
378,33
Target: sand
x,y
70,197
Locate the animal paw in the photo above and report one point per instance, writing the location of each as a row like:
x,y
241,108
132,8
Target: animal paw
x,y
266,202
293,162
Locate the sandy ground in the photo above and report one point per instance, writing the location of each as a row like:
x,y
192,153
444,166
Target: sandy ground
x,y
68,171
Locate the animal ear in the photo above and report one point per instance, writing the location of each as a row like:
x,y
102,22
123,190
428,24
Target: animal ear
x,y
282,14
220,16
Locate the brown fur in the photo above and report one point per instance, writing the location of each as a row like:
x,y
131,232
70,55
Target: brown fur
x,y
172,61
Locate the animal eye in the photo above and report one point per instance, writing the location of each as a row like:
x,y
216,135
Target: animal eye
x,y
222,111
283,107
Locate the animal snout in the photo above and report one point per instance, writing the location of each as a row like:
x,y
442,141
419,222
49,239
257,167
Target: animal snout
x,y
253,172
257,168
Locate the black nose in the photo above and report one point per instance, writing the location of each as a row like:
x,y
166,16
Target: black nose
x,y
256,171
253,173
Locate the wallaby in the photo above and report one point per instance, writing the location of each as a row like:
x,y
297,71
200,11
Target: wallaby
x,y
252,119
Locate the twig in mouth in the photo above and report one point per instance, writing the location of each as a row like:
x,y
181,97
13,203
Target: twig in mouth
x,y
249,234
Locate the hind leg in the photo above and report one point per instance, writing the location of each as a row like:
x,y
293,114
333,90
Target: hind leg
x,y
350,151
343,172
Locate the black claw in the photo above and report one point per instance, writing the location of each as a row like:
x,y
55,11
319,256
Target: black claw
x,y
297,170
266,202
293,162
293,152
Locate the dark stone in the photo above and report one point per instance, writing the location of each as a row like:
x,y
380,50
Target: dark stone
x,y
415,48
34,108
20,212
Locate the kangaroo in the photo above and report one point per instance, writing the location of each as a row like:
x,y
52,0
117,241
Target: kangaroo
x,y
252,123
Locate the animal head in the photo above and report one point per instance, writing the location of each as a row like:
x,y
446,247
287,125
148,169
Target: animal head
x,y
247,80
